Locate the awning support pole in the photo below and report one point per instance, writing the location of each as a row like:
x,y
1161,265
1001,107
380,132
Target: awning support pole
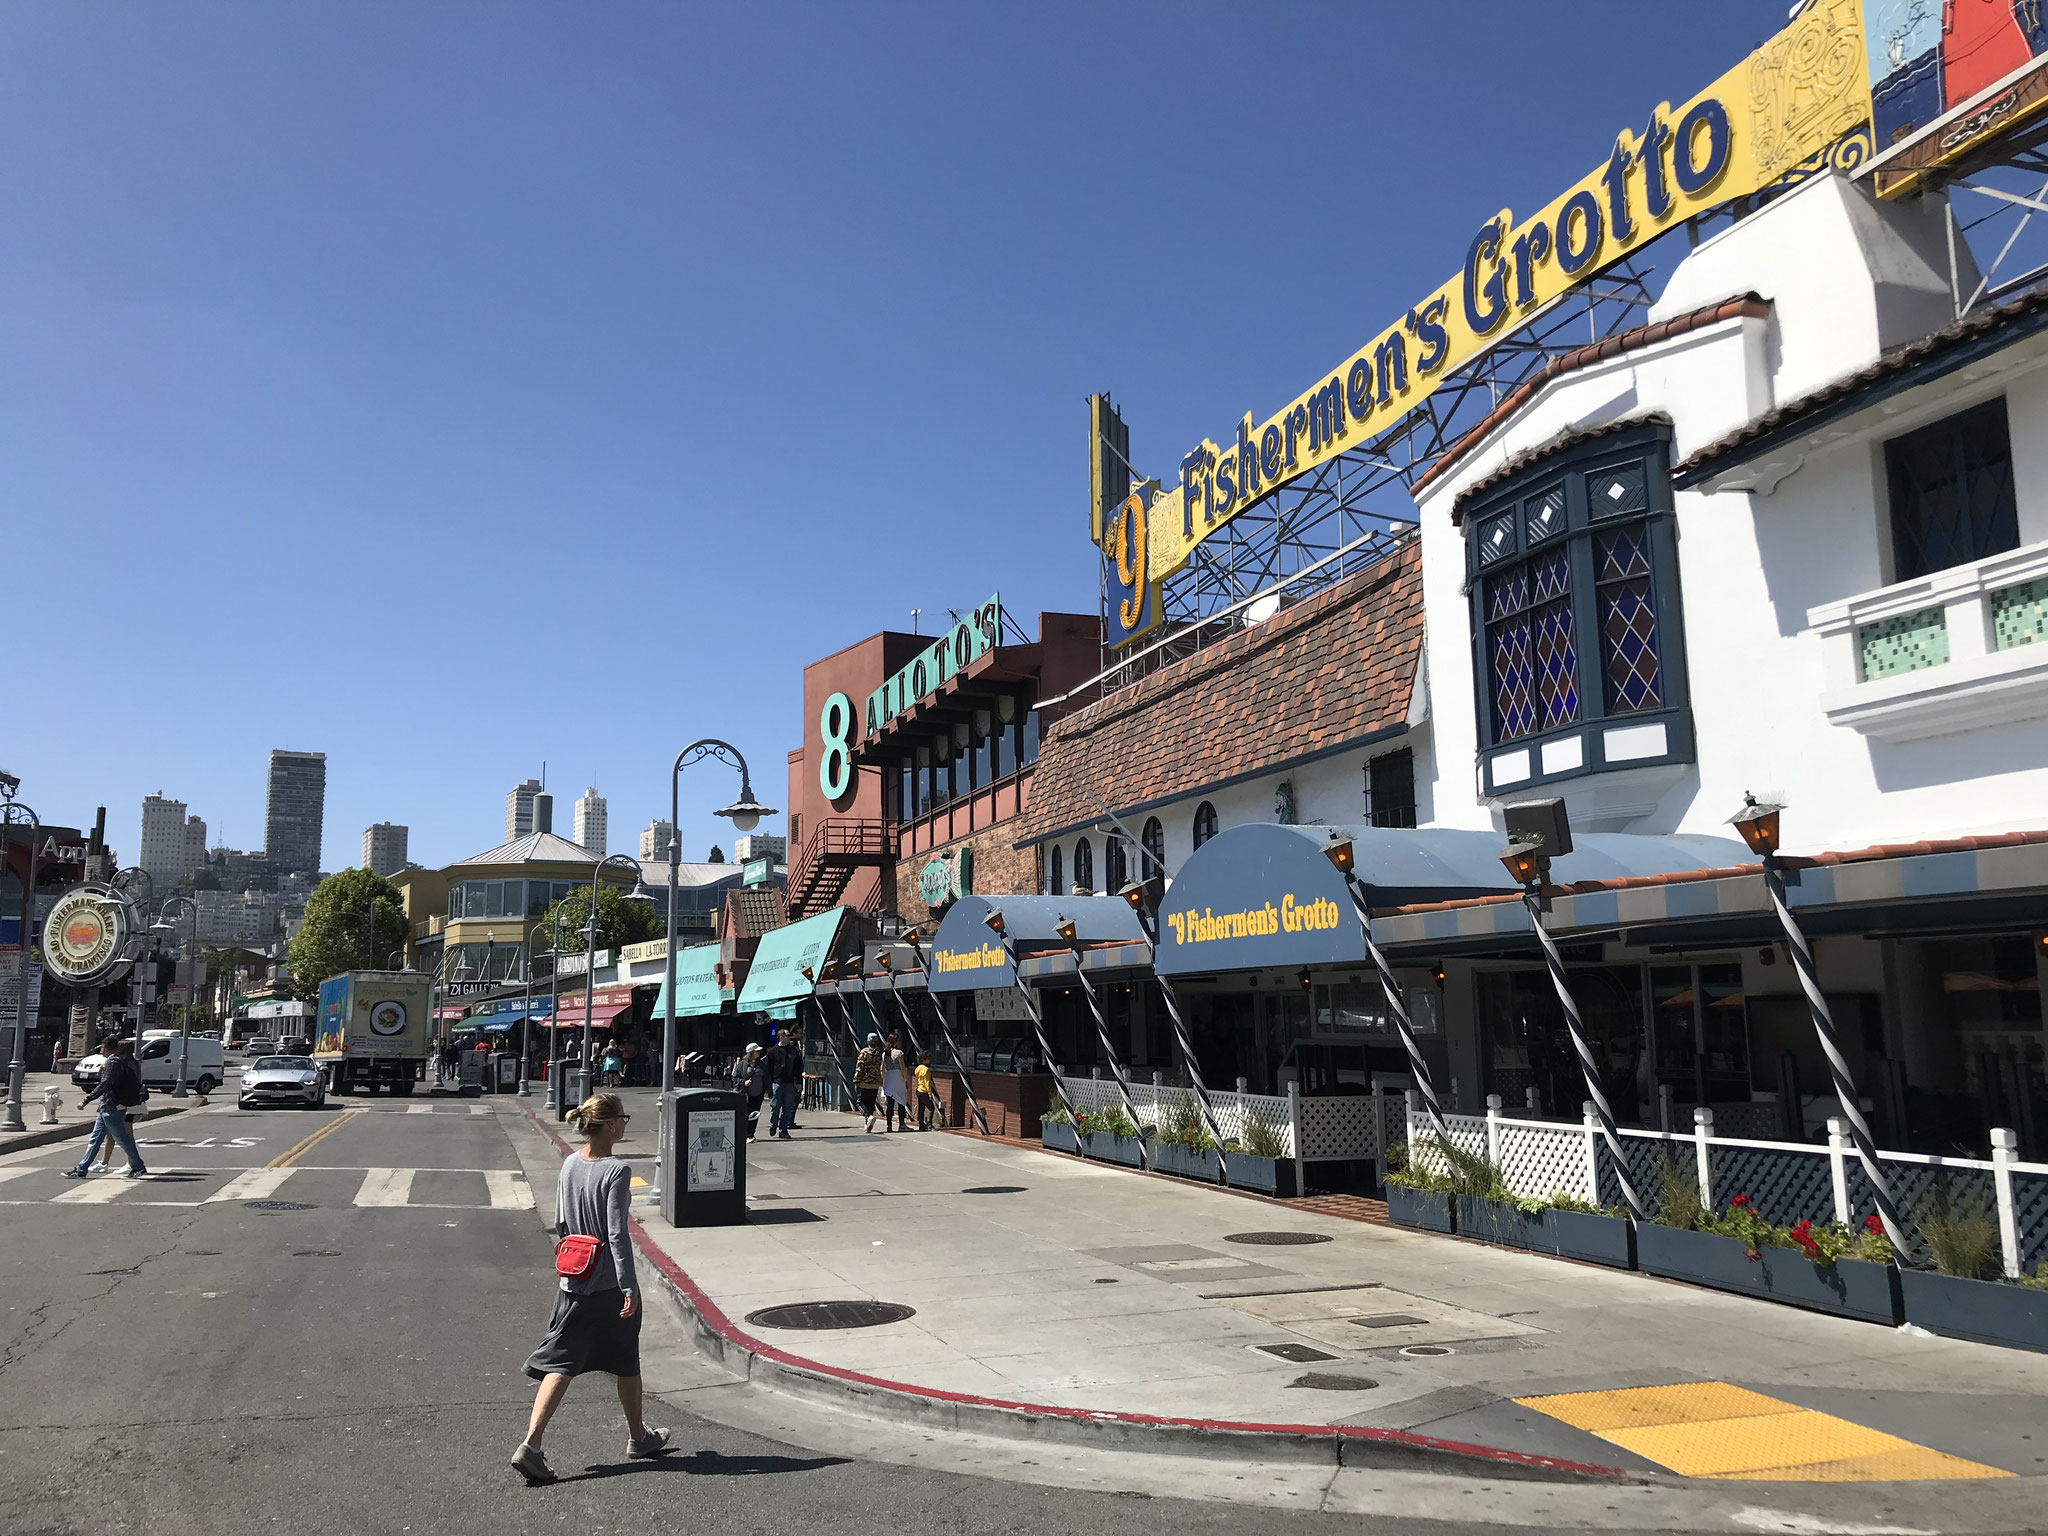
x,y
1838,1065
1116,1066
1194,1070
1052,1067
831,1045
1397,1002
1532,898
959,1066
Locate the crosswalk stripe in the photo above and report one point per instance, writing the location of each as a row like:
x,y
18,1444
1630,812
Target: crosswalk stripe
x,y
251,1184
386,1186
419,1109
509,1191
16,1173
99,1191
478,1109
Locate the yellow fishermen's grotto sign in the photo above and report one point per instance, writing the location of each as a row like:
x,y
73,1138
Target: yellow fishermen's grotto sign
x,y
1799,104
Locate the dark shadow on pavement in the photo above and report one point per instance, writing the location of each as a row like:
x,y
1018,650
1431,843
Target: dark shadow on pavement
x,y
711,1464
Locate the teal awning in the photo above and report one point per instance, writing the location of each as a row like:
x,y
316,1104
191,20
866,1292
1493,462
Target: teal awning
x,y
696,984
777,974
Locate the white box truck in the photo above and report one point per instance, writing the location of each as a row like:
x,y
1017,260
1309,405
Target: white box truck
x,y
372,1031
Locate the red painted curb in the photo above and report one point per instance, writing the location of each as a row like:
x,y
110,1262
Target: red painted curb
x,y
714,1318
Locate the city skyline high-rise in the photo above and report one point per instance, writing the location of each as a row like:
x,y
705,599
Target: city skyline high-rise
x,y
294,809
519,810
591,822
384,848
161,849
655,839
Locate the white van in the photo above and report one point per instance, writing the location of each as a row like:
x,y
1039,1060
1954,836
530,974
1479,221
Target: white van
x,y
157,1056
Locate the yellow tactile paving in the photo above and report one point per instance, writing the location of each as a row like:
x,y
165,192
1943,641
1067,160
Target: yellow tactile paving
x,y
1711,1429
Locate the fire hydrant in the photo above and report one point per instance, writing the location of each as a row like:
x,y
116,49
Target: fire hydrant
x,y
51,1095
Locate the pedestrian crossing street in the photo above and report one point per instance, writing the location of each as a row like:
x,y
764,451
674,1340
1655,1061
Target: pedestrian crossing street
x,y
434,1189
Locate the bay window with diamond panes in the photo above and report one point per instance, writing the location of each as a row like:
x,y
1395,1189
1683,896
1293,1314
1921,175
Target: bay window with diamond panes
x,y
1576,625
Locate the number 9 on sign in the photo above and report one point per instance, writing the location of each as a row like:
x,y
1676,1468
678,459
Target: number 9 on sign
x,y
835,766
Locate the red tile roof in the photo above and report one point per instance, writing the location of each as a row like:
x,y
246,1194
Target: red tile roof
x,y
1748,304
1321,674
1978,323
1791,861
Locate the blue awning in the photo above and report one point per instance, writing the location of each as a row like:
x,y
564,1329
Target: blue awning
x,y
697,989
1265,896
966,954
777,972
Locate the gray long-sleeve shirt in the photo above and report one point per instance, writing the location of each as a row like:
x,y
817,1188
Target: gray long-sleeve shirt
x,y
594,1196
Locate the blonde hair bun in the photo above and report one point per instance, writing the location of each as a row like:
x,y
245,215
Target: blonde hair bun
x,y
595,1110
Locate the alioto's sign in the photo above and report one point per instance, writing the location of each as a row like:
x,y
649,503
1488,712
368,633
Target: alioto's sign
x,y
84,935
1800,104
972,638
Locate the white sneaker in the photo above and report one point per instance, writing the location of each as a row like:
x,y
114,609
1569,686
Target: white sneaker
x,y
530,1463
653,1443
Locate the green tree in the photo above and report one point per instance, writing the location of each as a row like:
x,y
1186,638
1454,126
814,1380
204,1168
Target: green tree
x,y
354,921
619,922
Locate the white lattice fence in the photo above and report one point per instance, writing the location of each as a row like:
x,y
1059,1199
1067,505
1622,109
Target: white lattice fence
x,y
1341,1126
1538,1159
1468,1133
1234,1111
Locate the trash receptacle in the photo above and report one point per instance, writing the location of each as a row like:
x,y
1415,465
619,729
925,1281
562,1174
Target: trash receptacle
x,y
572,1088
704,1166
469,1072
508,1072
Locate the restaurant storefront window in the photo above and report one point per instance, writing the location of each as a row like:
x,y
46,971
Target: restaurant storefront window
x,y
1700,1033
1526,1043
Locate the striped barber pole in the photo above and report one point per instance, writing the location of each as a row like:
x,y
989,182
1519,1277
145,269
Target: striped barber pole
x,y
1194,1070
1403,1026
959,1066
1045,1054
1116,1066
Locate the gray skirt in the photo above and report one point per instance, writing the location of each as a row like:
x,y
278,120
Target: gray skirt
x,y
587,1334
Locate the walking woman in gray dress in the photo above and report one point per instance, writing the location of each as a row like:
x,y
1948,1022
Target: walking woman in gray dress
x,y
596,1326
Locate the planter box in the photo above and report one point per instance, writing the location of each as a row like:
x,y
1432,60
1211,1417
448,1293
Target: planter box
x,y
1184,1162
1106,1148
1984,1310
1267,1175
1848,1288
1496,1221
1430,1210
1596,1239
1060,1138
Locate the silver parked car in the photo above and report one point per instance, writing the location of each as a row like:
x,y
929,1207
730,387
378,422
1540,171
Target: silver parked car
x,y
270,1080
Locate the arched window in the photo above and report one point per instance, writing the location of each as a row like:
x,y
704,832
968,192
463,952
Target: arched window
x,y
1205,823
1154,839
1084,868
1116,872
1055,881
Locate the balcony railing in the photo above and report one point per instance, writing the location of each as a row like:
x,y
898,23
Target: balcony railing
x,y
1944,652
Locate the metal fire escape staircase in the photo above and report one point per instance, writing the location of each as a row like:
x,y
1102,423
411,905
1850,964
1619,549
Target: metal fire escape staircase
x,y
826,866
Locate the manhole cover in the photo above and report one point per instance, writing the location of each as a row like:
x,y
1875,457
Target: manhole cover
x,y
1427,1351
1329,1381
994,1189
1294,1354
1386,1320
831,1314
1277,1239
277,1205
317,1253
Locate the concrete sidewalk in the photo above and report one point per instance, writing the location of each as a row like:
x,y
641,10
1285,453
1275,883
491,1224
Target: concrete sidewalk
x,y
71,1119
1046,1280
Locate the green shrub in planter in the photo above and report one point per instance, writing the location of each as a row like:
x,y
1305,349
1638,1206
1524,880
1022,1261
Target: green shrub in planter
x,y
1058,1134
1499,1221
1578,1231
1430,1210
1185,1161
1267,1175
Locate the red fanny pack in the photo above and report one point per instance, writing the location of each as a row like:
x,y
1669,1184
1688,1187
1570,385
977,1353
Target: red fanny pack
x,y
575,1256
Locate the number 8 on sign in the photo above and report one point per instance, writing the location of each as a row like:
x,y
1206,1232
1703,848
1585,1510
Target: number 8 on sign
x,y
835,768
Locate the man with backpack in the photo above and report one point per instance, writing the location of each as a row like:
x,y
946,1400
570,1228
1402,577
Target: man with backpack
x,y
118,1090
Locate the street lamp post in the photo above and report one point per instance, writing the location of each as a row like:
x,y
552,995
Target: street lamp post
x,y
638,893
135,975
526,1016
745,814
554,1000
1758,823
17,1067
163,924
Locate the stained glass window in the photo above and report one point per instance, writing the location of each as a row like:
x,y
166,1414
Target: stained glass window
x,y
1952,492
1565,591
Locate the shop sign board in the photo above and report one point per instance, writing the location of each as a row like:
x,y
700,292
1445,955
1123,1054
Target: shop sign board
x,y
1798,106
653,949
754,872
969,640
1257,896
1945,79
946,877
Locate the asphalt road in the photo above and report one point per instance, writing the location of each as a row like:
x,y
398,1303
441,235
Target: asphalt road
x,y
174,1359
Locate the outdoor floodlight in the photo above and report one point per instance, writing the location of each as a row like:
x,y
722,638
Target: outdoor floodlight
x,y
994,918
1757,821
1340,853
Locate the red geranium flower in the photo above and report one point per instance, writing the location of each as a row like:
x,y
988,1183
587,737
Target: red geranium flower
x,y
1739,1203
1874,1223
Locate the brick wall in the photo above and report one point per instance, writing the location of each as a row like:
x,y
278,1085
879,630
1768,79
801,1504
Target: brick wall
x,y
999,870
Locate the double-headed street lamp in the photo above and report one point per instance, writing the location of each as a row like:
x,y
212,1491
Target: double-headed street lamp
x,y
639,893
745,814
11,811
163,924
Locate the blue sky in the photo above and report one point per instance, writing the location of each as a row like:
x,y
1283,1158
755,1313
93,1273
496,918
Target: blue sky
x,y
453,387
